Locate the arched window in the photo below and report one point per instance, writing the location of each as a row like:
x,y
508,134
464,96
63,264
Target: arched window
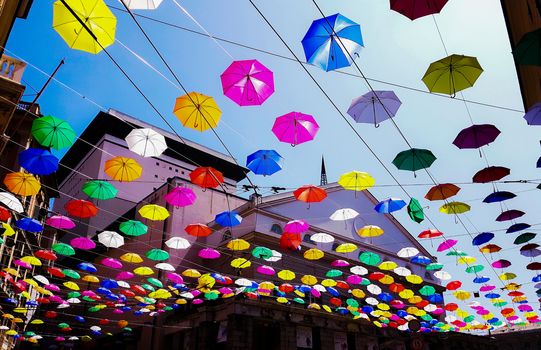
x,y
306,238
276,229
226,236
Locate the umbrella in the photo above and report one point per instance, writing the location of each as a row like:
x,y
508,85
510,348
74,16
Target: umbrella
x,y
344,214
374,107
446,245
442,192
11,202
38,161
454,208
133,228
197,111
157,254
525,237
153,212
6,230
369,258
60,222
356,181
264,162
247,82
63,249
177,243
111,239
238,244
83,243
499,196
53,132
295,128
415,211
206,177
482,238
142,4
146,142
98,189
322,238
407,252
81,208
228,219
332,42
22,184
533,114
530,250
490,248
96,16
389,205
131,258
180,197
313,254
346,248
431,233
123,169
510,215
414,159
452,74
476,136
310,194
29,224
501,264
489,174
370,231
414,9
290,241
517,227
198,230
527,50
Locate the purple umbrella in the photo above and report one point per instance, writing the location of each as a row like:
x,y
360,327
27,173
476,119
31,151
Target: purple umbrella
x,y
60,222
180,197
476,136
112,263
83,243
295,128
510,215
533,116
530,250
374,107
247,83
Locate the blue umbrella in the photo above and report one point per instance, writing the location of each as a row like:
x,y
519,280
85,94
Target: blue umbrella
x,y
264,162
499,196
87,267
435,298
389,205
228,219
38,161
481,279
332,42
537,278
385,297
492,295
517,227
332,291
103,290
30,225
482,238
419,259
399,313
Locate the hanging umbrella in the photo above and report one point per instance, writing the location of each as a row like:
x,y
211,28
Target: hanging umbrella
x,y
177,243
389,205
346,248
452,74
295,128
490,248
180,196
11,202
6,230
94,14
482,238
38,161
206,177
53,132
344,214
83,243
431,233
454,208
81,208
414,9
133,228
533,115
477,135
369,258
527,50
332,42
407,252
356,181
290,241
238,244
142,4
322,238
123,169
499,196
447,244
501,264
157,254
29,224
60,222
146,142
310,194
415,211
22,184
111,239
131,258
530,250
442,192
197,111
374,107
517,227
153,212
198,230
296,226
264,162
228,219
524,238
489,174
247,82
63,249
370,231
313,254
98,189
414,159
510,215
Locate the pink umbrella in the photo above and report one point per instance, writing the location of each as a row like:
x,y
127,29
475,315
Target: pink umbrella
x,y
295,128
23,264
448,244
296,226
209,253
197,301
56,299
266,270
525,308
316,293
125,275
354,279
60,222
225,290
247,83
88,293
339,263
487,288
174,277
438,311
180,197
83,243
196,292
118,311
112,263
501,264
52,287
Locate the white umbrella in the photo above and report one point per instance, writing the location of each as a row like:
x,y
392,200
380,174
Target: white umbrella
x,y
164,266
344,214
95,328
402,271
319,288
372,288
358,270
74,300
430,307
177,243
276,256
408,252
442,275
146,142
243,282
142,4
111,239
73,338
41,279
4,328
187,295
123,284
63,306
11,202
322,238
371,301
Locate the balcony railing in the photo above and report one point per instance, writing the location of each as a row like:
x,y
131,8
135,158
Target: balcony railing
x,y
11,68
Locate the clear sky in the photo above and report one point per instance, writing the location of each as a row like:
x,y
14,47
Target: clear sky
x,y
397,50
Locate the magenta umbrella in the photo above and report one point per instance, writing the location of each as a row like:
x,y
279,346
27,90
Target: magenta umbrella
x,y
60,222
125,275
510,215
174,277
23,264
180,197
354,279
247,82
448,244
295,128
266,270
83,243
501,264
339,263
476,136
112,263
209,253
296,226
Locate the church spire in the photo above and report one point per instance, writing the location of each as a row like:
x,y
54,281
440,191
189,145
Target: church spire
x,y
323,172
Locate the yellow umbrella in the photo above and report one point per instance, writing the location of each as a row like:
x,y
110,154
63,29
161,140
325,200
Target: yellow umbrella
x,y
386,280
346,248
415,299
31,282
462,295
32,260
181,301
507,276
160,294
299,293
8,316
37,321
512,286
454,208
356,181
238,244
11,271
154,212
286,275
412,310
406,294
267,285
313,254
414,279
71,285
123,169
143,271
191,273
131,258
22,184
388,265
91,279
314,306
282,300
11,332
8,230
309,280
328,282
383,306
240,263
94,14
20,310
519,299
17,320
197,111
370,231
358,293
327,308
466,260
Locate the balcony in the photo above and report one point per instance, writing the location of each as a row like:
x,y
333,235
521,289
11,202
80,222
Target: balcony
x,y
11,68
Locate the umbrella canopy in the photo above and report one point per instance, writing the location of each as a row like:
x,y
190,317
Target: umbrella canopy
x,y
52,132
525,237
510,215
83,243
111,239
533,115
374,107
408,252
177,243
370,231
527,51
38,161
489,174
63,249
322,238
146,142
22,184
247,82
454,208
133,228
157,254
415,211
332,42
310,194
356,181
490,248
517,227
29,224
414,159
81,208
60,222
94,14
447,244
228,219
442,192
238,244
206,177
414,9
452,74
264,162
295,128
98,189
123,169
389,205
431,233
11,202
197,111
482,238
142,4
499,196
476,136
296,226
198,230
344,214
181,196
290,241
153,212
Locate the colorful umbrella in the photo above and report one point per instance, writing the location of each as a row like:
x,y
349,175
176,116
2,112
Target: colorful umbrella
x,y
356,181
123,169
369,258
206,177
180,196
446,245
295,128
111,239
94,14
153,212
310,194
53,132
197,111
198,230
482,238
6,230
477,135
527,51
407,252
442,192
22,184
499,196
370,231
431,233
524,238
247,82
533,115
238,244
454,208
98,189
517,227
81,208
313,254
83,243
414,9
322,238
389,205
29,224
133,228
60,222
63,249
38,161
415,211
414,159
177,243
157,254
5,214
452,74
510,215
228,219
374,107
490,248
146,142
290,241
344,214
264,162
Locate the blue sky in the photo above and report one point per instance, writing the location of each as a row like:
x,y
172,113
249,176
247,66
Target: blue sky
x,y
397,50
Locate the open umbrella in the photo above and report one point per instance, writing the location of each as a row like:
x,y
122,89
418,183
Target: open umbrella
x,y
264,162
197,111
22,184
510,215
94,14
389,205
344,214
414,9
482,238
533,115
414,159
447,244
356,181
111,239
133,228
52,132
415,211
142,4
153,212
181,196
146,142
517,227
206,177
370,231
454,208
123,169
247,82
81,208
524,238
442,192
332,42
499,196
374,107
198,230
431,233
83,243
99,189
476,136
177,243
452,74
11,202
157,254
228,219
38,161
29,224
310,194
528,49
290,241
491,173
295,128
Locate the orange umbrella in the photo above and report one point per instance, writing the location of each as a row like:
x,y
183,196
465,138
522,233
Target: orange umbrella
x,y
490,248
22,184
206,177
442,192
310,194
123,169
290,241
81,208
198,230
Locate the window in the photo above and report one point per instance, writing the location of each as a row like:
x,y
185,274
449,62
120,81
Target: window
x,y
170,168
276,229
156,176
306,238
226,236
176,171
428,275
335,245
157,163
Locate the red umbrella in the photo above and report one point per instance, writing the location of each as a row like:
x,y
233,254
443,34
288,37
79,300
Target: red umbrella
x,y
46,255
414,9
286,288
441,192
310,194
290,241
432,233
56,272
535,266
198,230
206,177
453,285
5,215
492,173
451,306
81,208
376,276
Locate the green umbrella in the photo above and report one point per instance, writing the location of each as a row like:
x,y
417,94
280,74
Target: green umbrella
x,y
148,287
63,325
434,266
157,254
73,294
29,334
211,295
384,320
452,74
414,159
89,299
469,318
71,273
427,290
94,309
352,302
369,258
63,249
528,49
525,237
149,301
1,241
53,132
262,252
299,300
415,211
456,253
133,228
500,303
365,282
334,273
426,317
99,189
475,268
155,282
